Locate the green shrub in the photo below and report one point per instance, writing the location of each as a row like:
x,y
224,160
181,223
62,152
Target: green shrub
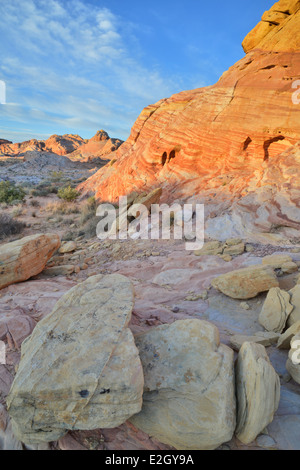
x,y
68,194
43,189
10,193
57,175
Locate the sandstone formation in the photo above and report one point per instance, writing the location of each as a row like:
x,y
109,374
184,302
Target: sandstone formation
x,y
295,301
210,248
68,247
62,270
258,391
276,261
63,144
247,282
233,145
232,247
279,29
80,368
188,399
236,341
276,309
285,339
58,144
25,258
100,147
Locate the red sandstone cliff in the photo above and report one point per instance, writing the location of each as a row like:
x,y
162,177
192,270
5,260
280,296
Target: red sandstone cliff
x,y
216,143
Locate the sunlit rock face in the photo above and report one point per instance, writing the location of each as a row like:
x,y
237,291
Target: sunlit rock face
x,y
225,142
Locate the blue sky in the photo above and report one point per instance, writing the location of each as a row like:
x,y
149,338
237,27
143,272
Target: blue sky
x,y
76,66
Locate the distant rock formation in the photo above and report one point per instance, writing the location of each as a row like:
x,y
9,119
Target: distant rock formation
x,y
63,144
99,146
233,146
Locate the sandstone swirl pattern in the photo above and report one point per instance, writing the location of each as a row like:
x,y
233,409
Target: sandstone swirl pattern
x,y
80,368
189,399
233,145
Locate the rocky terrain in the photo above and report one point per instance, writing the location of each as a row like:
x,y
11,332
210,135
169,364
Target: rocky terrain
x,y
127,344
33,161
74,146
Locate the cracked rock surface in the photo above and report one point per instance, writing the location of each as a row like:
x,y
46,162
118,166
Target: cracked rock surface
x,y
189,399
80,368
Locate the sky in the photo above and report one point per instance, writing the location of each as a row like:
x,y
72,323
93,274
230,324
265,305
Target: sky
x,y
77,66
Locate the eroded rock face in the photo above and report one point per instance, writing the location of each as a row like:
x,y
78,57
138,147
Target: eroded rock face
x,y
279,29
80,368
188,400
247,282
276,309
233,144
295,301
258,391
25,258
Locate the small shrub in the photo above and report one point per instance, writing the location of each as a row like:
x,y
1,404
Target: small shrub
x,y
68,194
18,210
62,208
44,189
34,203
9,226
57,175
10,193
90,228
69,236
88,210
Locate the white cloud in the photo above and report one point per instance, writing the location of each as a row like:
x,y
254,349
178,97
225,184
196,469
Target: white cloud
x,y
69,64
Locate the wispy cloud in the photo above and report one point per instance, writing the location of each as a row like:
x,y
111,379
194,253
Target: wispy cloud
x,y
70,66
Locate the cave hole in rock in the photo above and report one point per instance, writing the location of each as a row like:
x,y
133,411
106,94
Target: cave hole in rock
x,y
164,158
268,143
172,155
247,143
